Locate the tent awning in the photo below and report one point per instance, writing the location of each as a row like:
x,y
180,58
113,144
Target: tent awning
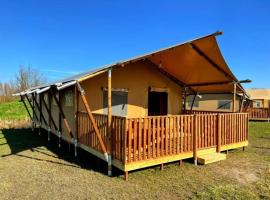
x,y
196,64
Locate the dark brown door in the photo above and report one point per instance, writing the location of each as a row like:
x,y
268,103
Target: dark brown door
x,y
157,103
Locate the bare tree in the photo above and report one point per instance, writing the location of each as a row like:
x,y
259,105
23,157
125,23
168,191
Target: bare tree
x,y
28,77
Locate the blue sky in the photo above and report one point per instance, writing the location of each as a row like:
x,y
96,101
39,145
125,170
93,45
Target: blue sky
x,y
61,38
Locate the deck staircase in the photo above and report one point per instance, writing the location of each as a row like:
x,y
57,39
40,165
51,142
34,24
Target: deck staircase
x,y
210,158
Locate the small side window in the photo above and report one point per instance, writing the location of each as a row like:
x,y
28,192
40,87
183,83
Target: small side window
x,y
68,98
195,104
53,100
224,104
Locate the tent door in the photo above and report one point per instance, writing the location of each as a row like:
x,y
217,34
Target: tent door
x,y
157,103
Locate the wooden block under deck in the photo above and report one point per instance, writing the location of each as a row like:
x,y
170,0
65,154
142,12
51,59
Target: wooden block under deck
x,y
210,158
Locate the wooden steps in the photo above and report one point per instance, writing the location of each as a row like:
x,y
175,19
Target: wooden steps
x,y
210,158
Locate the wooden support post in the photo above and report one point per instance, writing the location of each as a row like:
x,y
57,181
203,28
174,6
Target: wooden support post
x,y
234,97
109,106
180,162
218,132
195,131
243,148
161,166
126,176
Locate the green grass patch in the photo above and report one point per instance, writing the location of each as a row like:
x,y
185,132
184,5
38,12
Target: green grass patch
x,y
13,110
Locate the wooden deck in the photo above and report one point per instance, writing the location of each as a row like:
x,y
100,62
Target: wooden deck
x,y
259,114
142,142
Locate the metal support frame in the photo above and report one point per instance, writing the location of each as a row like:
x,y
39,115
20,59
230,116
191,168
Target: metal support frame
x,y
22,99
33,110
41,117
234,97
193,101
109,106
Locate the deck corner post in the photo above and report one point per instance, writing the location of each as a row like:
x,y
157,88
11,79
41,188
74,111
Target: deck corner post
x,y
195,139
218,133
126,176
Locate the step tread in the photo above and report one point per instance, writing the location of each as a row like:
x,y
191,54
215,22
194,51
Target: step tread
x,y
210,158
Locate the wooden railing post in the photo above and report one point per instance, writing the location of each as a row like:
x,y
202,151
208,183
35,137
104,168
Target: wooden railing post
x,y
218,132
195,131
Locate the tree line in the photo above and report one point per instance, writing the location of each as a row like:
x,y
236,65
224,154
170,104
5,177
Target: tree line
x,y
24,78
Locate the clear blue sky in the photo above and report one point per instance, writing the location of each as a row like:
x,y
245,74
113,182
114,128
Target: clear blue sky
x,y
61,38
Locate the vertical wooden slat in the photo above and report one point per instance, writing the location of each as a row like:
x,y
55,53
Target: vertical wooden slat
x,y
140,139
162,136
135,134
166,135
144,137
149,149
129,139
154,136
157,136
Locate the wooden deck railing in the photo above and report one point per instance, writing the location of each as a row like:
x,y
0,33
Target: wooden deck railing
x,y
258,113
147,138
204,112
154,137
86,133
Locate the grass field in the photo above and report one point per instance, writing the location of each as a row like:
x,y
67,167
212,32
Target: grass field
x,y
12,110
32,168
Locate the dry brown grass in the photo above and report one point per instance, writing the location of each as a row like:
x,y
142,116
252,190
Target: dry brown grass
x,y
32,168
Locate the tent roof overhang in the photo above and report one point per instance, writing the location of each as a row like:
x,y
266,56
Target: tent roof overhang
x,y
197,65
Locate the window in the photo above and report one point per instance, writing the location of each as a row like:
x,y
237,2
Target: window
x,y
68,98
224,104
195,104
119,102
257,104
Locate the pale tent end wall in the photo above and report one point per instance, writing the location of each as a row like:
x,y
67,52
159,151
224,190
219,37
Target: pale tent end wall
x,y
157,83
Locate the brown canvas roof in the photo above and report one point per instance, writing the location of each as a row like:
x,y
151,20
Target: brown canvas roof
x,y
259,93
197,64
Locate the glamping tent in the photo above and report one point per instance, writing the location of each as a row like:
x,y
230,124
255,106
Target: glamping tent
x,y
260,106
132,113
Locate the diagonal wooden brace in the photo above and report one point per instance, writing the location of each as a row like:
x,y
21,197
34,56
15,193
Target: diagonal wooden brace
x,y
88,110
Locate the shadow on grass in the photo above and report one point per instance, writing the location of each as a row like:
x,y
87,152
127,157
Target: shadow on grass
x,y
20,140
